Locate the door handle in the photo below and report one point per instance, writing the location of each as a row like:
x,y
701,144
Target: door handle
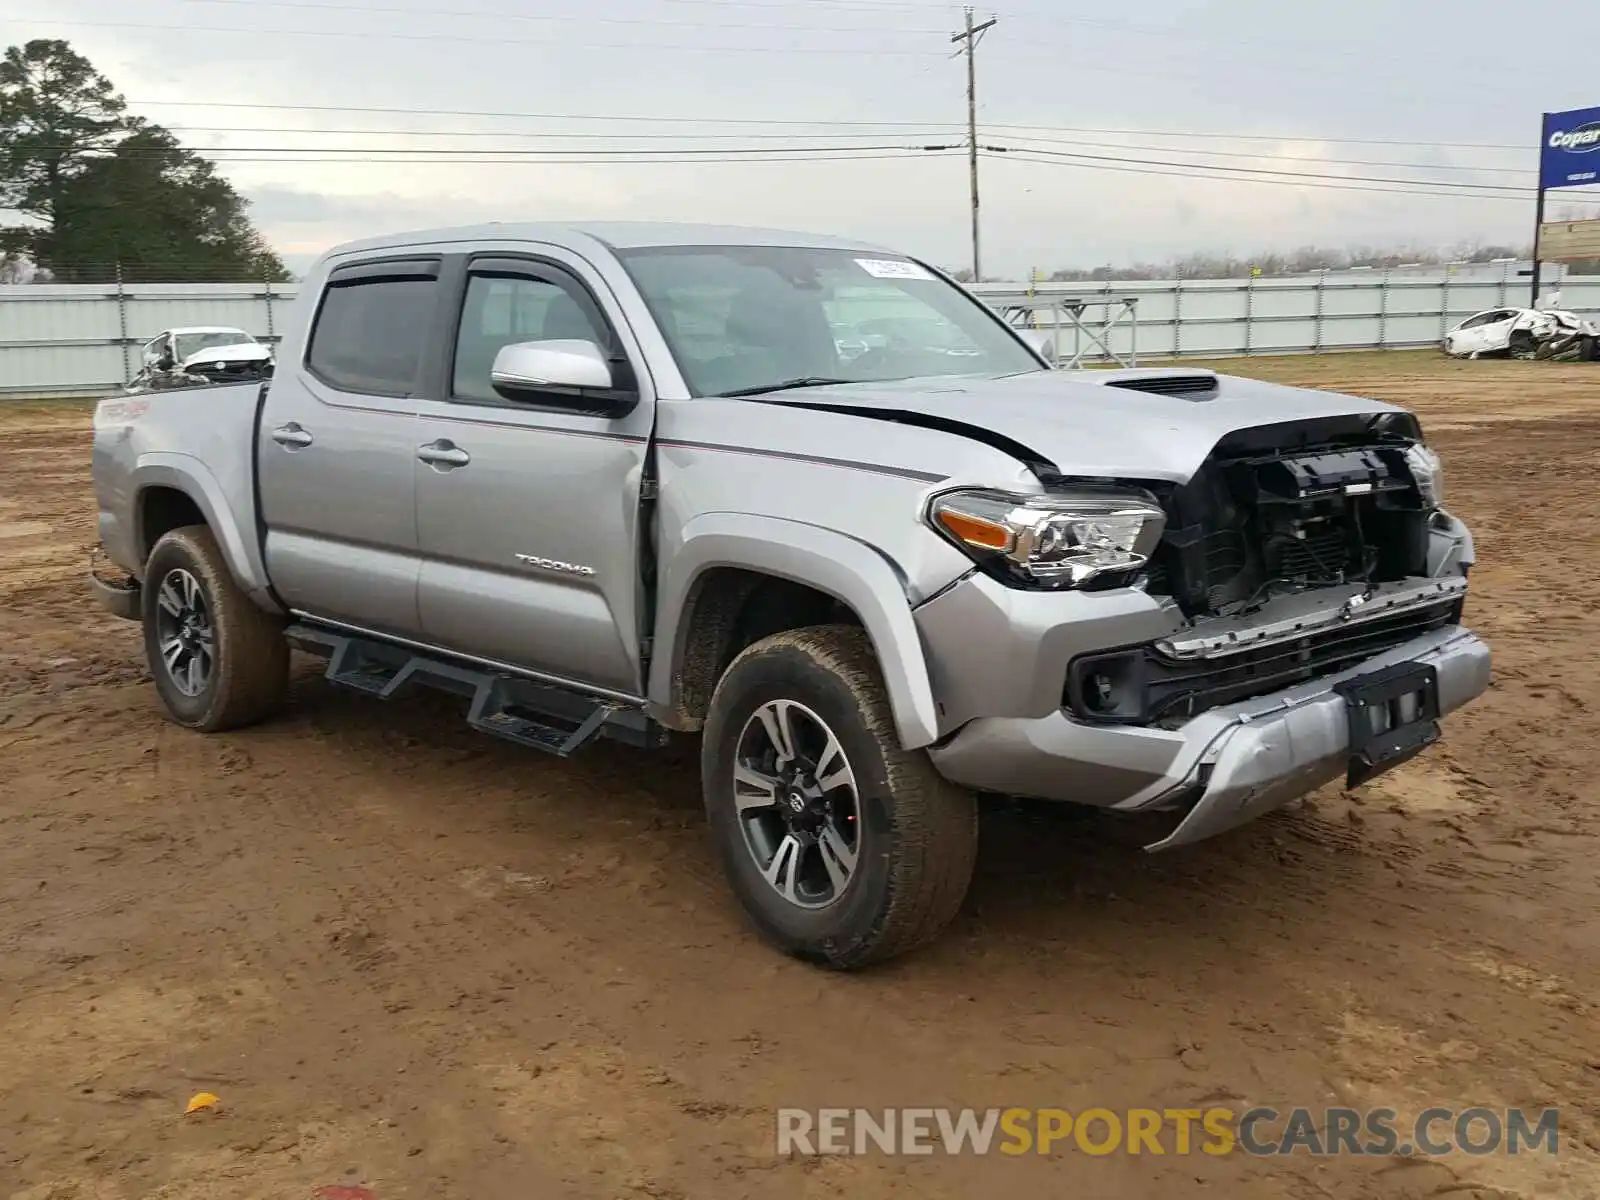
x,y
291,436
443,455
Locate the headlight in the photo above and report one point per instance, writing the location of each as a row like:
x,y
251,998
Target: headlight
x,y
1428,472
1060,541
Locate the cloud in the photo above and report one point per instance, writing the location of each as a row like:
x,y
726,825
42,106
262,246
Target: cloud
x,y
1305,74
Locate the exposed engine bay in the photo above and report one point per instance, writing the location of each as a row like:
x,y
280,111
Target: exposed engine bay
x,y
1280,510
1296,552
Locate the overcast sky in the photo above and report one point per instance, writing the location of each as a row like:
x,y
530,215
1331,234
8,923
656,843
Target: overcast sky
x,y
1121,81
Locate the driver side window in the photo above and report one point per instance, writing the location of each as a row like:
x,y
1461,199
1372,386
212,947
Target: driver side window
x,y
503,310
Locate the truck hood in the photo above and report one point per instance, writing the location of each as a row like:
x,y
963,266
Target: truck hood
x,y
1104,424
237,352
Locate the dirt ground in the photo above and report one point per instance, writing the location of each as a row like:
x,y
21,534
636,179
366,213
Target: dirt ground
x,y
417,961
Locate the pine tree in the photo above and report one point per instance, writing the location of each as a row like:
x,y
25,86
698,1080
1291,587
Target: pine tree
x,y
104,190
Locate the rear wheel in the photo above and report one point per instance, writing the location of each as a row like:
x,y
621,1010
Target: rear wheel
x,y
1523,345
218,660
842,847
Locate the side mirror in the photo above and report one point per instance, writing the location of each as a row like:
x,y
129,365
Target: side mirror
x,y
1041,343
526,370
532,366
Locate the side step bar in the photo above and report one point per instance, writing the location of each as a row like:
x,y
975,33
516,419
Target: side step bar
x,y
539,715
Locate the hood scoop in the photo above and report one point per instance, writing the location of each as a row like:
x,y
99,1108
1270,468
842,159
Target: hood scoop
x,y
1191,384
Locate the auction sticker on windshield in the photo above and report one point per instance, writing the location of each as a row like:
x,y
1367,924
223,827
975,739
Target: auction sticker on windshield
x,y
892,268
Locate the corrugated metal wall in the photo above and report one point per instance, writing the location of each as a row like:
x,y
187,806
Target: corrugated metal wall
x,y
85,339
1335,310
82,339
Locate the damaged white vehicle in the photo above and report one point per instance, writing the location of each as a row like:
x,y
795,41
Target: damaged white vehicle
x,y
202,354
1523,333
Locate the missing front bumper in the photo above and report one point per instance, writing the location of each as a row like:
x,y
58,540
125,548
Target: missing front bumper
x,y
1241,760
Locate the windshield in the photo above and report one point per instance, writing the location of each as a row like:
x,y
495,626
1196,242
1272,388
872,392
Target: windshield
x,y
190,344
746,319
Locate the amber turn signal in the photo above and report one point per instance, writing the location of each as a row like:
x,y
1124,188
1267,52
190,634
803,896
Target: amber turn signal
x,y
975,531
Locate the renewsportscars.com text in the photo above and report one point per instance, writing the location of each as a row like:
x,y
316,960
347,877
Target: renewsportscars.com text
x,y
1261,1131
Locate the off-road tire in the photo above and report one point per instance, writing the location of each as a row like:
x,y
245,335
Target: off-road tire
x,y
250,675
920,832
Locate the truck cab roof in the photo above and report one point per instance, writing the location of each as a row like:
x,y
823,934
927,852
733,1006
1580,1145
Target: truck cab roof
x,y
615,235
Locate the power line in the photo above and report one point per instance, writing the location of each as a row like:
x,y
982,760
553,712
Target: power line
x,y
497,114
525,116
1343,162
931,131
615,161
1158,31
561,42
448,154
1120,70
1270,137
334,155
1439,183
555,18
802,152
1197,174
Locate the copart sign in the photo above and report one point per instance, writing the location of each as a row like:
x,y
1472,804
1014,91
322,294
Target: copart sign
x,y
1569,156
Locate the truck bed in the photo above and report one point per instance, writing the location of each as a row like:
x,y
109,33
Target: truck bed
x,y
187,450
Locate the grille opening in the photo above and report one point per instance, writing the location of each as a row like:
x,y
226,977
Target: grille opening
x,y
1290,508
1141,686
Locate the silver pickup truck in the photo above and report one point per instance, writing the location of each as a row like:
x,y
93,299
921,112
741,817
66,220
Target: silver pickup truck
x,y
817,503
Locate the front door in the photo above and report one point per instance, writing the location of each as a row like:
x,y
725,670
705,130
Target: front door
x,y
337,453
528,510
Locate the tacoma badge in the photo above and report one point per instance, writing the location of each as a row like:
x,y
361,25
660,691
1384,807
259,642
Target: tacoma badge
x,y
550,564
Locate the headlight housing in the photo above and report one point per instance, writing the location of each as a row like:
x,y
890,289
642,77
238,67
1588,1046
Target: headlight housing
x,y
1428,472
1082,540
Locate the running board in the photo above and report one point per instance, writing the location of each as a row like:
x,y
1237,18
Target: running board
x,y
542,716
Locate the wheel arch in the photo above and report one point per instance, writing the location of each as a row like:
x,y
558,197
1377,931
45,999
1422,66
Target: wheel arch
x,y
727,561
173,490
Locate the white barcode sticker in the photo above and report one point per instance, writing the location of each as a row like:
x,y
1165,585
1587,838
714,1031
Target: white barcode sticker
x,y
892,268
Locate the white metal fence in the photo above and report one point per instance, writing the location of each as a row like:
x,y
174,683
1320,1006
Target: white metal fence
x,y
83,339
1395,309
61,340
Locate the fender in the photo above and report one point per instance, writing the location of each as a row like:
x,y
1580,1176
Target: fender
x,y
191,476
850,571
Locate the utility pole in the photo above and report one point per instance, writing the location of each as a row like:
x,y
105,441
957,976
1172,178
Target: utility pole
x,y
1538,215
971,36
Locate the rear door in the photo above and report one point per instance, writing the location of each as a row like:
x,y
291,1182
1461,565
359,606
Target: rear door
x,y
1495,334
1468,336
528,528
338,443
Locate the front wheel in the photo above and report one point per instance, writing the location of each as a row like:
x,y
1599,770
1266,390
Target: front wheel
x,y
218,660
842,847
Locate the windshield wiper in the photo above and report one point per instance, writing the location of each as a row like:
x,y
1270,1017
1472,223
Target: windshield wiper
x,y
804,381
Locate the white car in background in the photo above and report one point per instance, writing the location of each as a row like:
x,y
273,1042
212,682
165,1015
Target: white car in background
x,y
216,352
1515,332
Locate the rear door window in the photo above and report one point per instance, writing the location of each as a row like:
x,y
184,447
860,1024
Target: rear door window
x,y
371,329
